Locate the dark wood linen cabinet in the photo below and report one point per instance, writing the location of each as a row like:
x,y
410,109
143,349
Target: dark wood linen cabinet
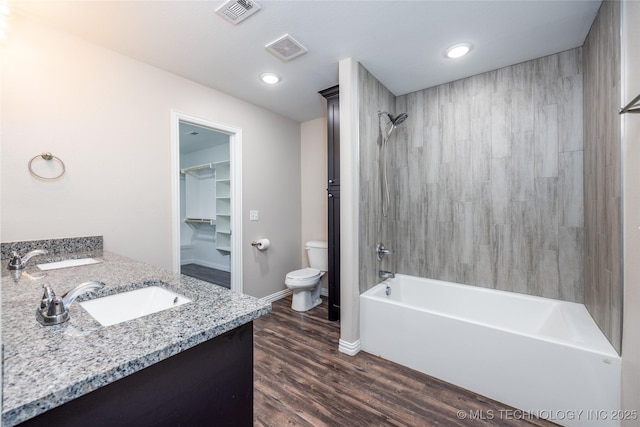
x,y
333,194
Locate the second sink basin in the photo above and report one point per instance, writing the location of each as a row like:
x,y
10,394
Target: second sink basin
x,y
124,306
68,263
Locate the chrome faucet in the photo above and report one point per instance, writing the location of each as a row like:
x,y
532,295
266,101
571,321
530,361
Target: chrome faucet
x,y
19,263
381,251
54,310
386,274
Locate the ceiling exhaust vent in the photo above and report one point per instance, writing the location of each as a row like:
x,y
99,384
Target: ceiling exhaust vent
x,y
286,48
236,11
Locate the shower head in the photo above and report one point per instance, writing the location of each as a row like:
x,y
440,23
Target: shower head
x,y
395,121
399,119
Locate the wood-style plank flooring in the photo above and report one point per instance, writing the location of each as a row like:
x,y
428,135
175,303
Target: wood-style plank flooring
x,y
208,274
301,379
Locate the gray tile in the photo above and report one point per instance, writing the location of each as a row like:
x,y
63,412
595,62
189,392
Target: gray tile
x,y
484,173
546,141
500,125
570,118
570,253
548,274
571,192
523,167
500,190
546,209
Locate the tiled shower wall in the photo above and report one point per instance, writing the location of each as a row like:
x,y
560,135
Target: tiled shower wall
x,y
373,97
602,162
486,180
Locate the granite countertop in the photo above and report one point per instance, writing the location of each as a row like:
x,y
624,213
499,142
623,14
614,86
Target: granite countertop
x,y
46,366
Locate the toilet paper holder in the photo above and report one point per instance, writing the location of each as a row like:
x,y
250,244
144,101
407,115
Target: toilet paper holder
x,y
261,244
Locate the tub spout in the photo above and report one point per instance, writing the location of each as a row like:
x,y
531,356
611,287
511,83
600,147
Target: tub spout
x,y
386,274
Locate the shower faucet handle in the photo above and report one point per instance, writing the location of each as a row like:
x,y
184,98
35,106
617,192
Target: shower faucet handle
x,y
381,251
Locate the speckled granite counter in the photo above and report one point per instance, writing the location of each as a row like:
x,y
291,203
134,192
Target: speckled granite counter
x,y
45,367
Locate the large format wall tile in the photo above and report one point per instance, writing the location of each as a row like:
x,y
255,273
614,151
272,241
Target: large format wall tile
x,y
603,286
485,177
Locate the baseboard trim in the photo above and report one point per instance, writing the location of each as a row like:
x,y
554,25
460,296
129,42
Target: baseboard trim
x,y
286,292
349,348
277,296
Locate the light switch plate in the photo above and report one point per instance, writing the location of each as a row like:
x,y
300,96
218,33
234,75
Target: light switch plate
x,y
254,215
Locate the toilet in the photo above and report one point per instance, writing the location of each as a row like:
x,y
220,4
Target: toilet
x,y
305,283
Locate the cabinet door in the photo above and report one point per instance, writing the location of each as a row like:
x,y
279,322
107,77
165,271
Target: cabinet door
x,y
333,193
334,254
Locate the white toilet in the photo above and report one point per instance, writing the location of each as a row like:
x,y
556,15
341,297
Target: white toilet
x,y
305,283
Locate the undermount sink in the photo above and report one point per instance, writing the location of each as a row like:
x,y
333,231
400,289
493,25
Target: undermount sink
x,y
68,263
124,306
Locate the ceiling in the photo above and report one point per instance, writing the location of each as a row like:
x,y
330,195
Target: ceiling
x,y
400,42
195,138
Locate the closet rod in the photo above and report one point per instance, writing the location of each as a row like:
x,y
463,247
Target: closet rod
x,y
200,220
632,107
197,168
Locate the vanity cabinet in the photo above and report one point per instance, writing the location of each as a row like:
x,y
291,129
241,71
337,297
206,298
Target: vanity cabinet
x,y
210,384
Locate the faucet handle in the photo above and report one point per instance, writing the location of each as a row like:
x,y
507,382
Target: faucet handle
x,y
56,307
15,262
53,314
55,310
47,297
381,251
18,263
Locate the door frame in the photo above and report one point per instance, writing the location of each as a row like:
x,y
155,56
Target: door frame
x,y
235,161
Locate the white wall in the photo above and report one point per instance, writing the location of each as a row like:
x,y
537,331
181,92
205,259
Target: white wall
x,y
313,182
313,171
349,208
630,15
109,118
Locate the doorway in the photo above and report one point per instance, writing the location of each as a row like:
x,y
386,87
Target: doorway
x,y
205,201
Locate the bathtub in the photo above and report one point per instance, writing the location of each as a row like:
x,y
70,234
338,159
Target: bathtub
x,y
545,357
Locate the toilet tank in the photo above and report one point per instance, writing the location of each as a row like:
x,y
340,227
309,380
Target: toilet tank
x,y
318,254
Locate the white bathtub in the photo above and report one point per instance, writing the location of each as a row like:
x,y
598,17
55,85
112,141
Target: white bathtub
x,y
542,356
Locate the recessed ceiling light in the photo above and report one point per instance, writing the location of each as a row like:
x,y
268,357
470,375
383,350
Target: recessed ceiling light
x,y
458,50
270,78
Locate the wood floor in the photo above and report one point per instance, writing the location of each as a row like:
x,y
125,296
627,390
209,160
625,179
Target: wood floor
x,y
300,379
208,274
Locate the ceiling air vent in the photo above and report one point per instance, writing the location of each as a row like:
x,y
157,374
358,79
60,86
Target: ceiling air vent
x,y
236,11
286,48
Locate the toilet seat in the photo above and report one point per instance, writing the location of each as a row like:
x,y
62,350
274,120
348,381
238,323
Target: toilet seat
x,y
303,277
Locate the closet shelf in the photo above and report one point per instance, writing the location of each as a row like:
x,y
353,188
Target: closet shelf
x,y
200,221
196,168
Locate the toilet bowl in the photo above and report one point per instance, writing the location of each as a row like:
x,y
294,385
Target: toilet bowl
x,y
305,283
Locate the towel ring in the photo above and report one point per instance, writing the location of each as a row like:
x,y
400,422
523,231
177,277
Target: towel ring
x,y
47,156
